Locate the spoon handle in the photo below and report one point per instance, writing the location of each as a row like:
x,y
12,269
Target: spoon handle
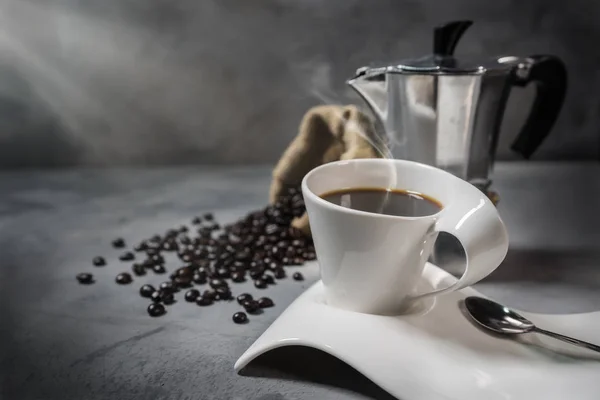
x,y
568,339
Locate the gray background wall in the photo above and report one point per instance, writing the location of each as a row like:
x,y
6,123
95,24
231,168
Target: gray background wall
x,y
227,81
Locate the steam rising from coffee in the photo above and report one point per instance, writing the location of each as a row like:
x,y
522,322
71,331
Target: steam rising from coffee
x,y
320,87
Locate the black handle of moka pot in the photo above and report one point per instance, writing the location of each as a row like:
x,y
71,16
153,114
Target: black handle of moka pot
x,y
446,37
549,75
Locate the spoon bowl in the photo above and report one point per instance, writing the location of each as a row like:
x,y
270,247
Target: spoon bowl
x,y
497,317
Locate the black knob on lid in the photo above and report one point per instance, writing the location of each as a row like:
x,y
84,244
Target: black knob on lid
x,y
446,37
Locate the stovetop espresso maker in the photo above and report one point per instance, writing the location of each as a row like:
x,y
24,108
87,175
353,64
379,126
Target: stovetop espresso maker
x,y
446,112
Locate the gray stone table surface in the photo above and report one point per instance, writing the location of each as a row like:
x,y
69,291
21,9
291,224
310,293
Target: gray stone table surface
x,y
62,340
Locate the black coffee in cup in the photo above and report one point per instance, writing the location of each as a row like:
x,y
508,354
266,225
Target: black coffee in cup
x,y
397,202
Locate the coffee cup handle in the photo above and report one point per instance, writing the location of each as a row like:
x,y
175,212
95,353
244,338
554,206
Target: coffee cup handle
x,y
474,220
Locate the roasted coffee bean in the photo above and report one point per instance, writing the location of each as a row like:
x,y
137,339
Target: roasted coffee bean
x,y
199,278
298,243
267,260
223,293
251,306
238,276
260,284
169,245
208,217
279,273
204,301
196,221
138,269
156,310
147,290
142,246
222,272
183,281
185,240
240,318
159,269
268,278
271,229
216,282
211,294
256,273
287,261
157,259
168,287
298,276
244,297
123,278
215,227
191,295
265,302
273,265
156,296
309,255
85,278
167,298
99,261
187,257
127,256
184,271
118,243
183,229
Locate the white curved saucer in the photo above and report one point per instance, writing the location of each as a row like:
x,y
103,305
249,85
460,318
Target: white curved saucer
x,y
435,352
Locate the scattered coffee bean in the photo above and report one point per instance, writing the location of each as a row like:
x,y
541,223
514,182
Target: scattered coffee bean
x,y
298,276
85,278
167,298
215,283
156,310
168,287
159,269
147,290
297,261
204,301
183,281
260,284
183,229
265,302
118,243
191,295
157,259
196,221
223,293
99,261
251,306
156,296
211,294
268,278
127,256
169,245
138,269
279,273
199,278
209,217
184,271
124,278
238,277
240,318
256,273
244,297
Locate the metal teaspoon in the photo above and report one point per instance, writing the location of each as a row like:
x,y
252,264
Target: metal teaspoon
x,y
500,319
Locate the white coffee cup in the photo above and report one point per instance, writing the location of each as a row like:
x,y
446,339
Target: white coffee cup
x,y
372,262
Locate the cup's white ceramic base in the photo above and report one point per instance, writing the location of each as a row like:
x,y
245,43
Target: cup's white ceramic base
x,y
435,352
